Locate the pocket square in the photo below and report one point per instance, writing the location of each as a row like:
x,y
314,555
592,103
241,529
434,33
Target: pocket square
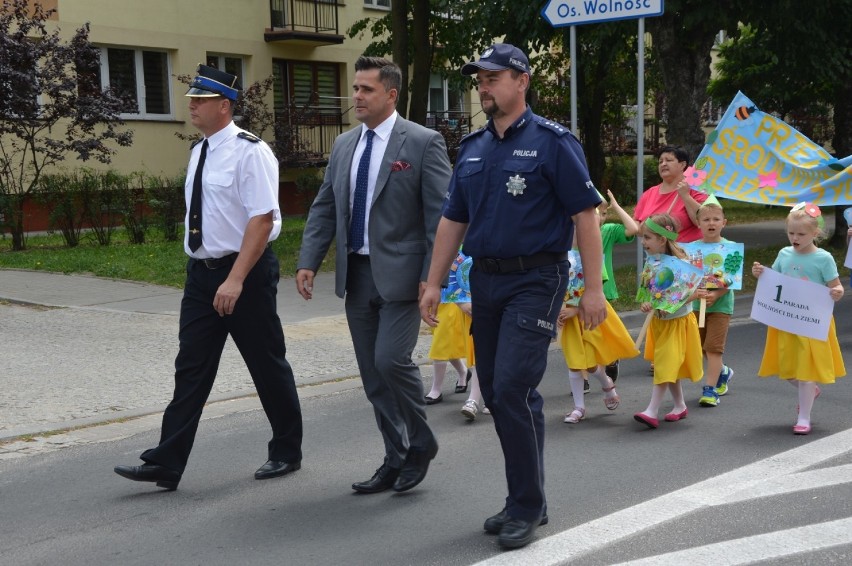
x,y
400,166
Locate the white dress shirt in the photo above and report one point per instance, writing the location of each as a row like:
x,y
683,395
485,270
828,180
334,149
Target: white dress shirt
x,y
240,181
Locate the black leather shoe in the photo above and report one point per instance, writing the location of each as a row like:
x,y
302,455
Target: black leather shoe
x,y
415,467
382,480
495,523
162,476
517,533
434,400
273,469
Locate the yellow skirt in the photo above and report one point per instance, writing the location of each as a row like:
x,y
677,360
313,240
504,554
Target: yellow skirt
x,y
674,347
449,338
608,342
790,356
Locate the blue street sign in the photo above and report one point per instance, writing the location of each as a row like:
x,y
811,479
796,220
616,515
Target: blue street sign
x,y
562,13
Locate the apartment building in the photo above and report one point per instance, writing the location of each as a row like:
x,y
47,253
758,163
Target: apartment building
x,y
303,44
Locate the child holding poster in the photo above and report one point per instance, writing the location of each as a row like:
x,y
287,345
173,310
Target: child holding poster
x,y
720,307
673,344
804,362
591,350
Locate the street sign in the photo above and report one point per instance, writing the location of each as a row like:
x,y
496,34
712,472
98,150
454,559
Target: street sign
x,y
562,13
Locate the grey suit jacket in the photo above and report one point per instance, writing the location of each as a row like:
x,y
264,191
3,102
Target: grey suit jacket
x,y
404,213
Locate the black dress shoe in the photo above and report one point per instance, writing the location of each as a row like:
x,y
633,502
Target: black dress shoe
x,y
161,475
273,469
382,480
415,467
517,533
495,523
434,400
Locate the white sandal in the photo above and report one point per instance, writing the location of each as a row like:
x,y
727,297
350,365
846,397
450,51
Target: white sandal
x,y
575,416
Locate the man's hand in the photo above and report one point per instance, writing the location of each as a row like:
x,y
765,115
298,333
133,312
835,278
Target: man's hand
x,y
429,300
592,309
305,283
227,295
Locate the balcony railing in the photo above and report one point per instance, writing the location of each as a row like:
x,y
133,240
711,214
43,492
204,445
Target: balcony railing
x,y
304,135
306,21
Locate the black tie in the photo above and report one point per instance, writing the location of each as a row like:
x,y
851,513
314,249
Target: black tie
x,y
195,203
359,205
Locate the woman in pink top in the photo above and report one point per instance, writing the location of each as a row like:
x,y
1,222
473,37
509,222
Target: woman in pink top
x,y
673,195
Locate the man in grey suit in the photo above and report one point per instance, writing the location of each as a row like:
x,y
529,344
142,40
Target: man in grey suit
x,y
381,199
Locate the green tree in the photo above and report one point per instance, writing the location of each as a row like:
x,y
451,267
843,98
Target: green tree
x,y
794,66
683,38
51,105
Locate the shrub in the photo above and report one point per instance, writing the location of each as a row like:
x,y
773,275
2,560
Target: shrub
x,y
165,197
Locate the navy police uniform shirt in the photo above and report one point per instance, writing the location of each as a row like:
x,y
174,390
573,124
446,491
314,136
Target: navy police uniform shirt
x,y
518,193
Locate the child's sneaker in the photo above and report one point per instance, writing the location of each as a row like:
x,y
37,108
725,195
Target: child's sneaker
x,y
709,398
724,379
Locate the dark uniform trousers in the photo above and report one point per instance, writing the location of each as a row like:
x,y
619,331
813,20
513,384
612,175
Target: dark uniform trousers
x,y
384,333
514,321
256,330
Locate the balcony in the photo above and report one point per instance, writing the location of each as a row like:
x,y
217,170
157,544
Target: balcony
x,y
304,135
306,22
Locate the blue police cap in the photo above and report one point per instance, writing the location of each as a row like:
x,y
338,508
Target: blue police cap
x,y
499,57
213,82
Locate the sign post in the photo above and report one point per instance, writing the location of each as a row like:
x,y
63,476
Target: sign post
x,y
562,13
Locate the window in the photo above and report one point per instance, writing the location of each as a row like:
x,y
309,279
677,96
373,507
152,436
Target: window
x,y
378,4
445,104
303,83
228,63
140,78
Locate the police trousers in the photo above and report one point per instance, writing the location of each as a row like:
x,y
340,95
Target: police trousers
x,y
514,321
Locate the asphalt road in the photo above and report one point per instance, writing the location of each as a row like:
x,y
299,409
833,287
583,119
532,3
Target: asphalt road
x,y
728,485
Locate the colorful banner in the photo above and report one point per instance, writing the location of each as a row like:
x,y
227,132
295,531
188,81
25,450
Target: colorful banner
x,y
458,283
668,282
754,157
722,263
797,306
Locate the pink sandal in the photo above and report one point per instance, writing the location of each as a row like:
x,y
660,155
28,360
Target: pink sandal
x,y
611,402
575,416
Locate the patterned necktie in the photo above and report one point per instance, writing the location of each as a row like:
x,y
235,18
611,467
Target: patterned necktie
x,y
195,203
359,205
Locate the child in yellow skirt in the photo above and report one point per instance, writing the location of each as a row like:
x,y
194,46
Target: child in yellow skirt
x,y
801,361
448,346
673,344
592,350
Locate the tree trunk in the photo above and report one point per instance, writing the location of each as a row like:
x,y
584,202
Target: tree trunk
x,y
399,46
19,241
842,143
421,64
684,57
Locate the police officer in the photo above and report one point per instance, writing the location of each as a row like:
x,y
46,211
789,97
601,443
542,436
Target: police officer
x,y
519,190
231,285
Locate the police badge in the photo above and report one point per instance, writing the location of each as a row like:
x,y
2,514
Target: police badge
x,y
516,185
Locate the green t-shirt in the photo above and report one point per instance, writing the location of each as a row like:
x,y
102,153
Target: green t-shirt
x,y
611,234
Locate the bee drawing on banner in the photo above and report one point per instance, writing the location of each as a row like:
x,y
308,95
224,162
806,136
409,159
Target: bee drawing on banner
x,y
743,115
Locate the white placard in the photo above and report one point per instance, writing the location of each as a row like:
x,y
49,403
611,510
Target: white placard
x,y
793,305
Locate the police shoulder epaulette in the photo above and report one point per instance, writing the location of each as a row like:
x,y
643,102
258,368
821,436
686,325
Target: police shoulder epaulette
x,y
554,127
247,136
472,134
195,143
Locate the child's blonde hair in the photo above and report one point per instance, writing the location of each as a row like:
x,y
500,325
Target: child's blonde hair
x,y
710,206
671,224
811,215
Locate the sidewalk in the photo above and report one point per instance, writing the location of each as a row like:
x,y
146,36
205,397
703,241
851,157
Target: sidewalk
x,y
77,350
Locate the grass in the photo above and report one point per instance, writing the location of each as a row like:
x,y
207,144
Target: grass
x,y
157,261
162,263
